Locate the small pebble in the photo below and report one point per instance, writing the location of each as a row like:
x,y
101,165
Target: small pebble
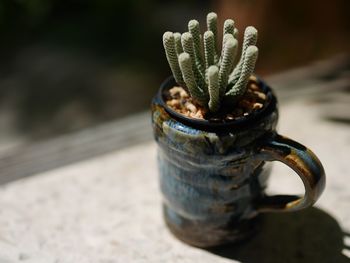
x,y
257,106
175,91
253,86
173,103
183,111
198,115
253,78
230,117
191,107
183,94
260,95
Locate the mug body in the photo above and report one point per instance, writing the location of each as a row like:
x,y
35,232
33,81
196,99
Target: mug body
x,y
210,176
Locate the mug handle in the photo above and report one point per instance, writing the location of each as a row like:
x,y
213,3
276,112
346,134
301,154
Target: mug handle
x,y
304,162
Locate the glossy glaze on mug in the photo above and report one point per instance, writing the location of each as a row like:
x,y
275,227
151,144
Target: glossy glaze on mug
x,y
211,178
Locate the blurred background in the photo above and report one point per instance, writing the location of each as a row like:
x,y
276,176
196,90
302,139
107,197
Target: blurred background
x,y
69,65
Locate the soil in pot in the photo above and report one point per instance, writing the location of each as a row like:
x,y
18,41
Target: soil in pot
x,y
179,100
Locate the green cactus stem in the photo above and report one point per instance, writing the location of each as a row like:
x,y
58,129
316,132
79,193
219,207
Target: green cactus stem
x,y
169,46
248,65
250,38
209,48
193,28
178,46
185,63
213,86
229,27
188,47
212,25
235,33
229,50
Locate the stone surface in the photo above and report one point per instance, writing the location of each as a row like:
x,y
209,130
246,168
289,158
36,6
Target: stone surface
x,y
107,209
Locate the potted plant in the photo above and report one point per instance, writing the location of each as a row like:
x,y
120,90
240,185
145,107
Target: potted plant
x,y
215,126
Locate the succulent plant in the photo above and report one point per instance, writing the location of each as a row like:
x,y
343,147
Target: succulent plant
x,y
212,78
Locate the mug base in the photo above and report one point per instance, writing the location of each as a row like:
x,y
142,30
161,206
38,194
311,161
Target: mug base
x,y
202,235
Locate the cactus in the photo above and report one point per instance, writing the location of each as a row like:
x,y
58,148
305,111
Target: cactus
x,y
210,76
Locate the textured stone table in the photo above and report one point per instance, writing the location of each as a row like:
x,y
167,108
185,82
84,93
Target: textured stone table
x,y
107,209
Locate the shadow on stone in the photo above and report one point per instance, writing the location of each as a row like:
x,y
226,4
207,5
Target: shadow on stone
x,y
311,235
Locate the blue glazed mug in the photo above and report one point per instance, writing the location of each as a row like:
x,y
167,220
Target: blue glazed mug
x,y
213,174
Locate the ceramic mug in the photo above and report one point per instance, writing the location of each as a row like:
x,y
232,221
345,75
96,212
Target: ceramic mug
x,y
213,174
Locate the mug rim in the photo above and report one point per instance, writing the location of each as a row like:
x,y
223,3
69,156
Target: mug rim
x,y
207,125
